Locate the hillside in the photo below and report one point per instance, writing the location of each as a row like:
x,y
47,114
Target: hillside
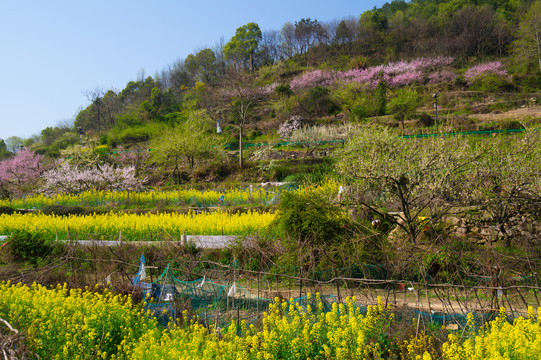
x,y
324,183
274,86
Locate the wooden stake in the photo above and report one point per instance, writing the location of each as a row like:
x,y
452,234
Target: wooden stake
x,y
428,300
418,323
238,320
300,282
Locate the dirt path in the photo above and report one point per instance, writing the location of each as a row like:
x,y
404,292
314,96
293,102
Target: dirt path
x,y
519,114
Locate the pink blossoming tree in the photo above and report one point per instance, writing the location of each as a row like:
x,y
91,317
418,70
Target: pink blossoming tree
x,y
313,78
476,72
396,74
20,173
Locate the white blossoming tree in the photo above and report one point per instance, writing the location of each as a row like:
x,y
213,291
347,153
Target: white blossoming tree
x,y
67,178
422,178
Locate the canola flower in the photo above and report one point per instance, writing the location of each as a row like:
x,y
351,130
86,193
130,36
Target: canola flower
x,y
187,197
289,331
60,323
329,188
181,197
136,227
73,324
500,339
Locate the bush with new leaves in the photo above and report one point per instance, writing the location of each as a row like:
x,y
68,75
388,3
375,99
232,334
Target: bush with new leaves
x,y
311,218
25,246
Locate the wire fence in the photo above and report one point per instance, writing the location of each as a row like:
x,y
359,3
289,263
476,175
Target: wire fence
x,y
220,293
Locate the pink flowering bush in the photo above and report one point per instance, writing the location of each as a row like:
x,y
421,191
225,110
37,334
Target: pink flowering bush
x,y
20,173
403,73
494,68
426,64
313,78
370,76
444,76
406,78
68,178
396,74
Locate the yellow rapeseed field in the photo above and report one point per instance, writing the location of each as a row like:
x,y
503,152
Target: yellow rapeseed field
x,y
59,323
73,324
180,197
183,197
136,227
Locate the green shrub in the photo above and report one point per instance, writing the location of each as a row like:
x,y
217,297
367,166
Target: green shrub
x,y
360,112
133,135
311,218
489,83
280,172
30,247
512,125
426,120
318,102
284,89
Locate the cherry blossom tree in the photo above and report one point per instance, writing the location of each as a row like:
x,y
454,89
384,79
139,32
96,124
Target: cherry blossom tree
x,y
67,178
396,74
313,78
19,174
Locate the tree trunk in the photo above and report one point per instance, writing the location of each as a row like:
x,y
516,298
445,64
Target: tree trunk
x,y
538,41
240,147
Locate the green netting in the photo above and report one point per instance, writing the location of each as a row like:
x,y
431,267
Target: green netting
x,y
213,301
164,312
218,302
465,133
480,318
326,301
212,295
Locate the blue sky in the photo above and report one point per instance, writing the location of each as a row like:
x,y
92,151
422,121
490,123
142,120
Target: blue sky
x,y
52,51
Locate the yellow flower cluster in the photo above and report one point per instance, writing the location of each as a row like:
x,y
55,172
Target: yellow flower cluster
x,y
328,188
73,324
181,197
289,332
501,339
190,197
148,226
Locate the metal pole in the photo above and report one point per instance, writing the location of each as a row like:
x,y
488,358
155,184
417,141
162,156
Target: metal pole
x,y
435,96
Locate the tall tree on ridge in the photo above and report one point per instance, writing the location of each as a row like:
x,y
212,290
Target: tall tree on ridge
x,y
242,49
